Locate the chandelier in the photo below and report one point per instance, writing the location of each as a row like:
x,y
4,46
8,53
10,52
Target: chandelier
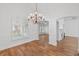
x,y
35,17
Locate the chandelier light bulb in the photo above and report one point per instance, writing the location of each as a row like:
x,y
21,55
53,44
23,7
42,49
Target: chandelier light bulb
x,y
31,14
36,12
40,14
35,17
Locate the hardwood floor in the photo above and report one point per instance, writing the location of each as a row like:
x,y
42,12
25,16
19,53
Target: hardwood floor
x,y
35,48
69,45
31,48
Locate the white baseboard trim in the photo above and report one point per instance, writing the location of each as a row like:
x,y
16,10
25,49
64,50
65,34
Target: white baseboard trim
x,y
16,44
53,43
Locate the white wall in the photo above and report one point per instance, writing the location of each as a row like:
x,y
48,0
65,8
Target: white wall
x,y
52,31
14,13
18,12
60,28
71,28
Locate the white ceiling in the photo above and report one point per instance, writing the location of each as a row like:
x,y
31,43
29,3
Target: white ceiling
x,y
64,9
47,9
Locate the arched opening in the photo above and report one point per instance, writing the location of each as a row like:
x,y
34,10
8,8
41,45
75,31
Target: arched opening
x,y
68,34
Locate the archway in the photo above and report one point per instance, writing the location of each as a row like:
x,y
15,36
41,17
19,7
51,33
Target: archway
x,y
68,33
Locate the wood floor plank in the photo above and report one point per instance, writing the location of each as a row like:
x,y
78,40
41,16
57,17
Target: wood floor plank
x,y
35,48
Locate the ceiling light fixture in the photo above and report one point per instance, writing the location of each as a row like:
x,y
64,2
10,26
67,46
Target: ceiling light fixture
x,y
35,16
